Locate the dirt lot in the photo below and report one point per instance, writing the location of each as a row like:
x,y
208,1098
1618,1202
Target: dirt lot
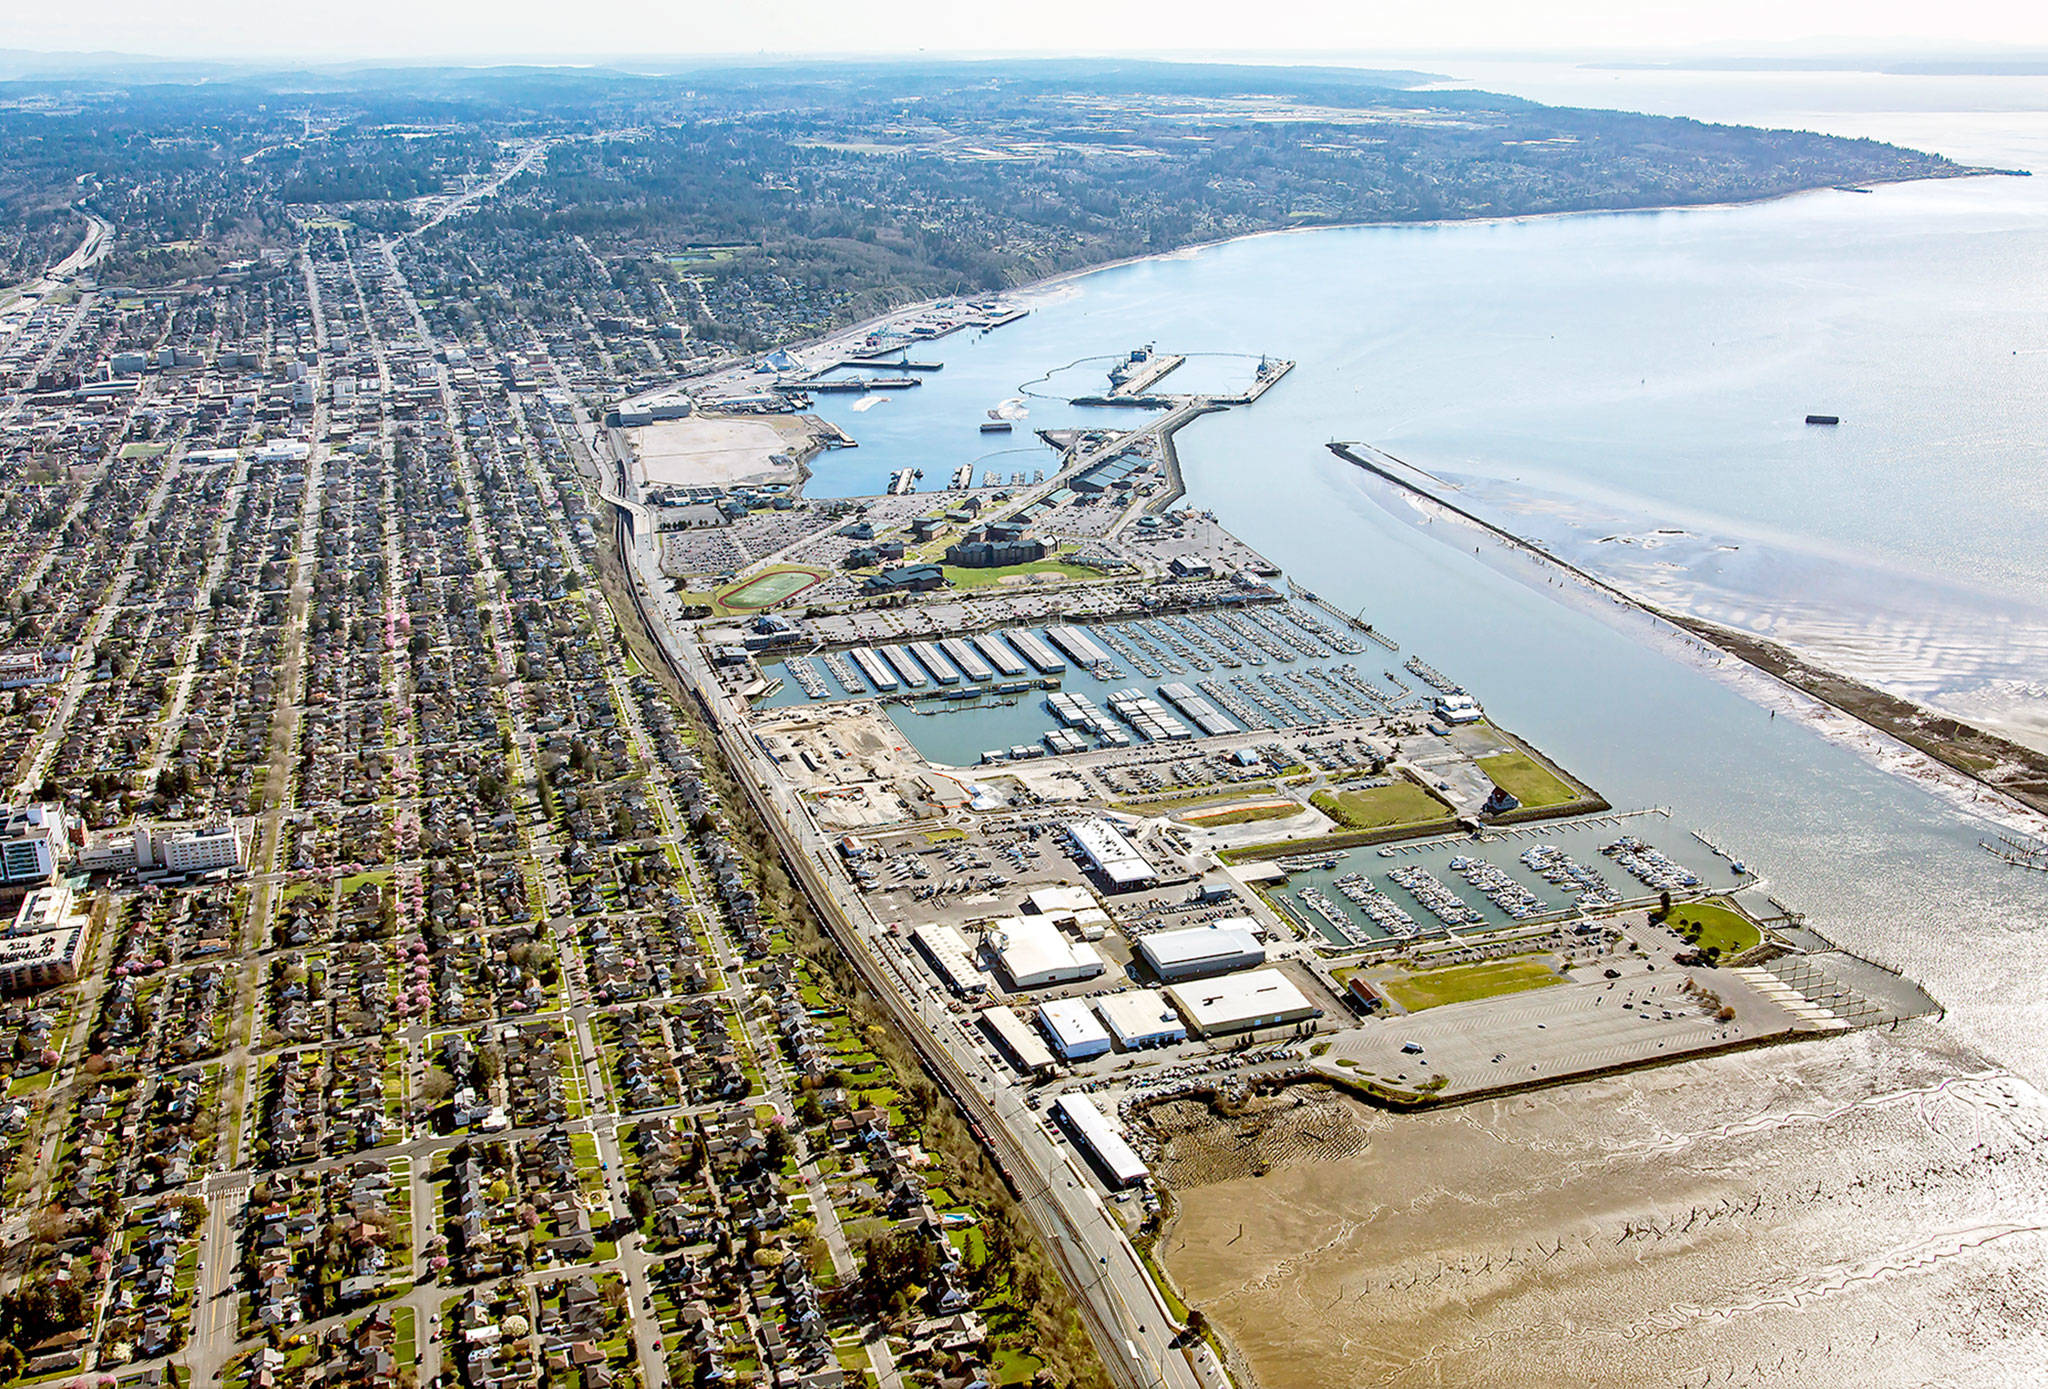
x,y
717,451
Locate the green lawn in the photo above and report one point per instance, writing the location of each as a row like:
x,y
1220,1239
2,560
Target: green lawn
x,y
982,578
1459,983
1377,807
354,881
1215,819
1715,926
1526,779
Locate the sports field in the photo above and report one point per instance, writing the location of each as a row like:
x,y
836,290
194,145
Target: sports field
x,y
766,590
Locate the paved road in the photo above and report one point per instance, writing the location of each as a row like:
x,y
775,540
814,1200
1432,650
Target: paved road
x,y
1133,1332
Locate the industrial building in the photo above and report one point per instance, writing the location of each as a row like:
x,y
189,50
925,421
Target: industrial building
x,y
1072,1028
1217,948
1140,1018
947,949
1073,908
1018,1042
1111,856
1100,1140
1034,954
1241,1003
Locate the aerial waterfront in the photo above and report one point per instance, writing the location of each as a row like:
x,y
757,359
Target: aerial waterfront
x,y
617,779
1502,382
1423,355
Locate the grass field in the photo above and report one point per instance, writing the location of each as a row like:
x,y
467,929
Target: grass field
x,y
766,590
983,578
1526,779
1712,926
1376,807
1241,815
1460,983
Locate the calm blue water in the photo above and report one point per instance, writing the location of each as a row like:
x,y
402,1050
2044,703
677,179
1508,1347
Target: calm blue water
x,y
1631,388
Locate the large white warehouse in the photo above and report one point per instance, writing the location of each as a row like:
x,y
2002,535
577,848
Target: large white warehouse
x,y
1034,954
1140,1018
1241,1002
1026,1052
1100,1138
948,951
1074,1032
1218,948
1107,852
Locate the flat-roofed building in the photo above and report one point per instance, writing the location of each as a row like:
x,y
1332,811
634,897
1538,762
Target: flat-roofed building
x,y
1111,856
948,951
32,842
1074,1032
1025,1049
1075,908
1191,952
1100,1140
1140,1018
45,945
1241,1002
190,850
1034,954
1061,900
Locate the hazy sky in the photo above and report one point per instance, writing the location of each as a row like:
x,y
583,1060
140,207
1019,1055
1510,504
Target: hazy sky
x,y
566,30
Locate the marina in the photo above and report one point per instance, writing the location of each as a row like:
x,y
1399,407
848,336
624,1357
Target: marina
x,y
1270,666
1524,874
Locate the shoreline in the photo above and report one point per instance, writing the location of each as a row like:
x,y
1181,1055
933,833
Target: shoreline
x,y
1061,278
1039,287
1891,718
